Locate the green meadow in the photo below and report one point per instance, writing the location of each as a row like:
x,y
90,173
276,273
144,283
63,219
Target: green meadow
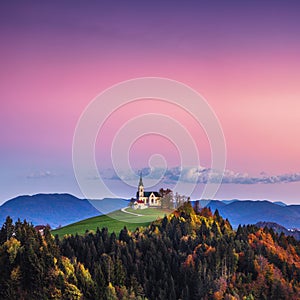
x,y
114,221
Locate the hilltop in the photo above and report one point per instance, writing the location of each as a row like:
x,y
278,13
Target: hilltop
x,y
114,221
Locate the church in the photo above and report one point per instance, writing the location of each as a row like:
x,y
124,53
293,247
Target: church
x,y
146,199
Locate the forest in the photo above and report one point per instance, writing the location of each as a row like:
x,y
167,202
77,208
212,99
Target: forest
x,y
189,254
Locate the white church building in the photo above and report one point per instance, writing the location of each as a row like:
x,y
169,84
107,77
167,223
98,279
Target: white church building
x,y
146,199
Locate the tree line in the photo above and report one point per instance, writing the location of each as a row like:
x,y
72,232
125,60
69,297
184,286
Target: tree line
x,y
186,255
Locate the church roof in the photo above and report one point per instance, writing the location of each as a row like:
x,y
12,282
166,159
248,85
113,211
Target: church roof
x,y
147,194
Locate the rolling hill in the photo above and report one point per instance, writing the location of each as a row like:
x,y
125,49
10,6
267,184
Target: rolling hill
x,y
114,221
236,211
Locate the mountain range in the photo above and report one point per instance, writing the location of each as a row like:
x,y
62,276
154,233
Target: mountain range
x,y
252,212
56,209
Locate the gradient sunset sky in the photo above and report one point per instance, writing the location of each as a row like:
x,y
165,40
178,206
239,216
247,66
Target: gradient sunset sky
x,y
242,56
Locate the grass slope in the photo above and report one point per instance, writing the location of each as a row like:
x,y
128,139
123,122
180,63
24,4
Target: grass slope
x,y
114,221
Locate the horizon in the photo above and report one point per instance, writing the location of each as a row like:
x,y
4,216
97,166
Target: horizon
x,y
129,198
57,57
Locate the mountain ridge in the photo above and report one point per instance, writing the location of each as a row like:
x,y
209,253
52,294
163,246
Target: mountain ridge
x,y
253,211
54,209
279,229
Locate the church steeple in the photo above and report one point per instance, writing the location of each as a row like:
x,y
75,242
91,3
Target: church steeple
x,y
141,179
141,187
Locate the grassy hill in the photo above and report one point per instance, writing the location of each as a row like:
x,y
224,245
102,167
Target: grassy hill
x,y
114,221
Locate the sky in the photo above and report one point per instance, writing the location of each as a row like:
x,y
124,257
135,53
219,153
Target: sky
x,y
241,56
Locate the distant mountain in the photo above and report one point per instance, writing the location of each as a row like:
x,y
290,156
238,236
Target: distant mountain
x,y
216,204
251,212
56,209
278,228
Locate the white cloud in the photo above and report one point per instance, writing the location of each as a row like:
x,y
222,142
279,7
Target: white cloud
x,y
200,175
41,174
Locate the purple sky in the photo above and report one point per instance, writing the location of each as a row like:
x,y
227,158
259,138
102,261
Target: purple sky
x,y
242,56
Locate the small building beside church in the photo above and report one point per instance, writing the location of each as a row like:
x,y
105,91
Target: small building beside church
x,y
146,199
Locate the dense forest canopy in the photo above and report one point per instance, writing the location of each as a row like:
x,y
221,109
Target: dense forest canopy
x,y
186,255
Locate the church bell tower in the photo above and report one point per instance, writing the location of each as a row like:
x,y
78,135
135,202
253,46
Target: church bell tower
x,y
141,187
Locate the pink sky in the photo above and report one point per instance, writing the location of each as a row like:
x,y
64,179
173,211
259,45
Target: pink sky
x,y
52,65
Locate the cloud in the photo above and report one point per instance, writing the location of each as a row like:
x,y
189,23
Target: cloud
x,y
41,174
200,175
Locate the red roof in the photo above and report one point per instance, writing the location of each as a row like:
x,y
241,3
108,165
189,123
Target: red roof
x,y
40,227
